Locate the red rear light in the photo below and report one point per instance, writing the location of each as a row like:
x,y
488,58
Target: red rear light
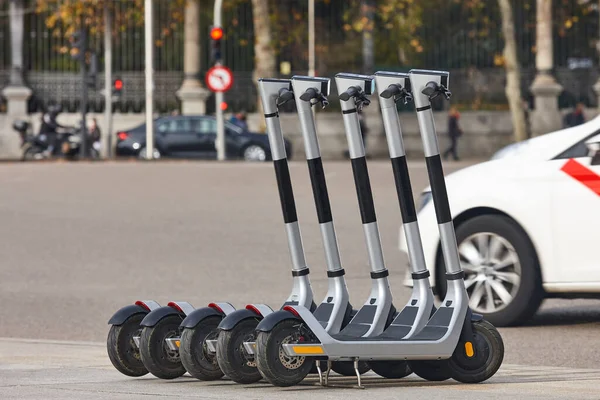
x,y
253,309
122,135
216,307
175,306
292,310
142,304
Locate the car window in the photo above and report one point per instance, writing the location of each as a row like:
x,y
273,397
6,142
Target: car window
x,y
180,125
206,126
578,150
233,129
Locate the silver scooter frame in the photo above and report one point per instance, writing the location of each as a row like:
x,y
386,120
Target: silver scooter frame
x,y
376,313
439,337
334,308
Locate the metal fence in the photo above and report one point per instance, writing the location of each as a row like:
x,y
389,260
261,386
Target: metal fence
x,y
461,36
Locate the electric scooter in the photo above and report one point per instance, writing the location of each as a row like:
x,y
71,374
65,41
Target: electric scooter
x,y
378,311
472,347
236,344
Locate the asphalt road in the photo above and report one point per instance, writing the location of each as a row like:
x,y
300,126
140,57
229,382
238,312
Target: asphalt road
x,y
78,241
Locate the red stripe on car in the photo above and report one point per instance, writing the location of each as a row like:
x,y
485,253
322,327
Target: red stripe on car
x,y
582,174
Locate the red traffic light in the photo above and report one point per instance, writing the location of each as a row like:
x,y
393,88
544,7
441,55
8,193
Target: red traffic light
x,y
118,84
216,33
223,106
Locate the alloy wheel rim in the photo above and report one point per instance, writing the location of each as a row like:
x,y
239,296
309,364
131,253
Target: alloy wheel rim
x,y
492,271
255,153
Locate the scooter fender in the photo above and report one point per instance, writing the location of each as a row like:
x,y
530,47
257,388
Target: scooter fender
x,y
125,313
269,322
155,316
198,315
251,311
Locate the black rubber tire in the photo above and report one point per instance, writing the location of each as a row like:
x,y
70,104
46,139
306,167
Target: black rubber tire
x,y
391,369
194,357
488,357
122,351
29,152
346,368
431,370
268,362
530,294
153,348
231,355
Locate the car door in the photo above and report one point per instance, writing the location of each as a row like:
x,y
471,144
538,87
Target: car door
x,y
205,130
179,138
576,216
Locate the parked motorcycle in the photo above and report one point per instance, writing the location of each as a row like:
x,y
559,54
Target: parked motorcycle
x,y
37,147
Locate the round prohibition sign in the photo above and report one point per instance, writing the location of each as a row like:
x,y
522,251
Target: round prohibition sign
x,y
219,79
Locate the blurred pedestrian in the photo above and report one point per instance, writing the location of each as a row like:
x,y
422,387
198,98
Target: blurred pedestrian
x,y
239,119
454,132
95,136
575,117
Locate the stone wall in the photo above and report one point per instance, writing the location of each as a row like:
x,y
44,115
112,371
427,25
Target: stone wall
x,y
484,132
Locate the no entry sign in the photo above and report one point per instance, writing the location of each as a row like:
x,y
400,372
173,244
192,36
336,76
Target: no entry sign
x,y
219,79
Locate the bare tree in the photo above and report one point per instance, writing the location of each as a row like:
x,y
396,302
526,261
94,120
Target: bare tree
x,y
513,72
264,52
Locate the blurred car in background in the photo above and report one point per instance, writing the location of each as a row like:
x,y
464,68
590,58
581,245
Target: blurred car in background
x,y
191,136
527,225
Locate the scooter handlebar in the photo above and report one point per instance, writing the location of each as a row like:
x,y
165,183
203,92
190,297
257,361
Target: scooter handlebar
x,y
433,89
284,96
313,94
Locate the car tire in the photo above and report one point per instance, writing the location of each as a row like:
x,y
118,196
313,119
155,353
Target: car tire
x,y
155,152
255,152
529,294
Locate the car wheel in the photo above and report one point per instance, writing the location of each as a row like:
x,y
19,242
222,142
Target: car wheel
x,y
502,274
255,153
155,153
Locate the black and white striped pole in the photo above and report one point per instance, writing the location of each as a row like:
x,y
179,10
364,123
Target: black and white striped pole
x,y
392,88
426,85
353,91
309,91
273,91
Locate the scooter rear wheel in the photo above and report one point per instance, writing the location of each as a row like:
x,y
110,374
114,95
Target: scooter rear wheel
x,y
157,357
122,350
431,370
195,357
231,355
486,357
274,365
391,369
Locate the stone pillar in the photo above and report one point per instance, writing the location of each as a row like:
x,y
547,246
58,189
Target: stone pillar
x,y
192,94
546,115
16,93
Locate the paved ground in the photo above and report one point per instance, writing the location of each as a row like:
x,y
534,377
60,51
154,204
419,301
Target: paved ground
x,y
78,241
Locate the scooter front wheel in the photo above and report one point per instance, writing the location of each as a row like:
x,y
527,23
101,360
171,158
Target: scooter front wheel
x,y
122,350
431,370
480,360
391,369
195,357
274,365
157,356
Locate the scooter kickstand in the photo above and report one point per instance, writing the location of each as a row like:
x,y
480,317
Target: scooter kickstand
x,y
327,373
320,373
360,386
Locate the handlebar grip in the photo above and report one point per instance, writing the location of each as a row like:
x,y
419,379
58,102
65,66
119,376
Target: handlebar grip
x,y
308,95
345,96
392,90
430,89
285,95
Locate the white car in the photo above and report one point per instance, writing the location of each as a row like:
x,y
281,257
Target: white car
x,y
527,225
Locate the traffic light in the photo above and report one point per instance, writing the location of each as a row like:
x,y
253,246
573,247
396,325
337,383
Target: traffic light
x,y
93,74
216,34
78,45
117,87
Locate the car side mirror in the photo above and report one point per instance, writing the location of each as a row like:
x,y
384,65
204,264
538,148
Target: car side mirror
x,y
594,152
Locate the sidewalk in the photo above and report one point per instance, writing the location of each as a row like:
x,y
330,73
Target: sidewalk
x,y
38,369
